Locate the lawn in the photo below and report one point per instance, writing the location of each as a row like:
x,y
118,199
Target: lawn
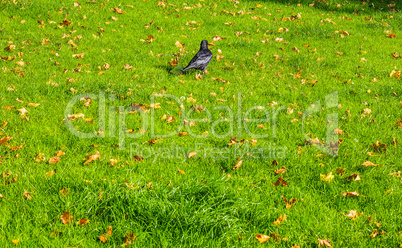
x,y
291,138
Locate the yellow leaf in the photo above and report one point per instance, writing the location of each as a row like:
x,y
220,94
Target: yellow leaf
x,y
327,178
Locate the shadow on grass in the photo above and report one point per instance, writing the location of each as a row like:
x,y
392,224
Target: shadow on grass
x,y
350,6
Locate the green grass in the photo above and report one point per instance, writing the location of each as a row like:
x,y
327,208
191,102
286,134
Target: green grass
x,y
210,205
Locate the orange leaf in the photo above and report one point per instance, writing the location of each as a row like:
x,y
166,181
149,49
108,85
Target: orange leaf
x,y
27,195
324,242
237,166
92,157
54,160
262,238
192,154
107,235
66,218
280,220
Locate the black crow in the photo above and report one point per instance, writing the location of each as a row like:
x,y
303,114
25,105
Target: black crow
x,y
201,59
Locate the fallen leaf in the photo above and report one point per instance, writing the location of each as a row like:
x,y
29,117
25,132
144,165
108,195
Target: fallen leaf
x,y
92,158
353,214
340,171
262,238
237,166
354,177
375,233
65,191
107,235
129,239
15,241
347,193
368,163
66,218
54,160
289,202
40,158
23,111
280,171
281,182
191,154
280,220
327,178
27,195
113,161
323,242
82,222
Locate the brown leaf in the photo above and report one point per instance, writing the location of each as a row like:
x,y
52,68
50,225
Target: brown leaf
x,y
354,177
289,202
281,182
340,171
379,147
82,222
138,158
129,239
66,218
149,24
107,235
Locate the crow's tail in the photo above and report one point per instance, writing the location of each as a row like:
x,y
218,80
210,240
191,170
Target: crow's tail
x,y
184,69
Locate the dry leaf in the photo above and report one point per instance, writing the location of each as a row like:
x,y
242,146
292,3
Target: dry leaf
x,y
323,242
27,195
280,220
82,222
352,214
92,158
191,154
237,166
354,177
129,239
347,193
281,182
65,191
107,235
66,218
54,160
327,178
280,171
262,238
368,163
113,161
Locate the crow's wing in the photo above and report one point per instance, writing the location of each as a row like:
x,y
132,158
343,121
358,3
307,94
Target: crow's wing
x,y
200,60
